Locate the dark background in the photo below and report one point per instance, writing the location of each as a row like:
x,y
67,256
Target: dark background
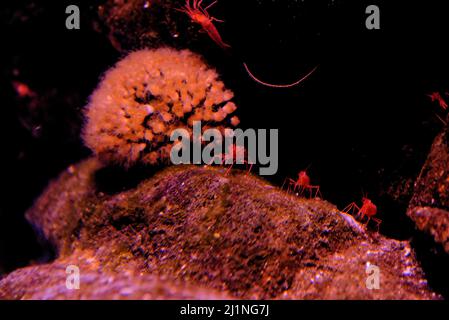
x,y
362,121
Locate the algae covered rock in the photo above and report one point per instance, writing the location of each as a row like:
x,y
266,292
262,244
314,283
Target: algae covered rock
x,y
48,282
429,207
197,227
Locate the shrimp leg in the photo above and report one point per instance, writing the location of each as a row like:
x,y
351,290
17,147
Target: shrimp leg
x,y
218,20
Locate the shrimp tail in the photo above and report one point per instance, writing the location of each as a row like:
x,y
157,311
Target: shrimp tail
x,y
215,36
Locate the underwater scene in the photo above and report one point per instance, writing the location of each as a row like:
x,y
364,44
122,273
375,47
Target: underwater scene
x,y
250,150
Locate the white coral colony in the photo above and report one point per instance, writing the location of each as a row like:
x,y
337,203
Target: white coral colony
x,y
147,95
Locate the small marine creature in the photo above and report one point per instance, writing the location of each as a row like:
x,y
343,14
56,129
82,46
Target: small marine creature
x,y
278,85
368,209
234,155
23,90
441,119
301,185
200,15
436,96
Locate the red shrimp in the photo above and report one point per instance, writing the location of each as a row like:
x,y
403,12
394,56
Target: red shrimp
x,y
302,184
234,155
200,15
367,210
22,89
436,96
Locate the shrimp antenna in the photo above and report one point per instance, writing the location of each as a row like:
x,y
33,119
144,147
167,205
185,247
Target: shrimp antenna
x,y
278,85
364,194
441,119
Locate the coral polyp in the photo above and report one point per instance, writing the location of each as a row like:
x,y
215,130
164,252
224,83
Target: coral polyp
x,y
147,95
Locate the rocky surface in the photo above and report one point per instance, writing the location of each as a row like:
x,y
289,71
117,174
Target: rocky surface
x,y
429,207
197,227
137,24
48,282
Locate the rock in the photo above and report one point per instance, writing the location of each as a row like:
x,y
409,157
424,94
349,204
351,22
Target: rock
x,y
235,234
429,207
95,283
344,274
57,211
138,24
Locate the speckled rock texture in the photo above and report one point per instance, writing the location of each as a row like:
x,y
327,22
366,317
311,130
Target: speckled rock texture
x,y
97,281
199,228
429,207
137,24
